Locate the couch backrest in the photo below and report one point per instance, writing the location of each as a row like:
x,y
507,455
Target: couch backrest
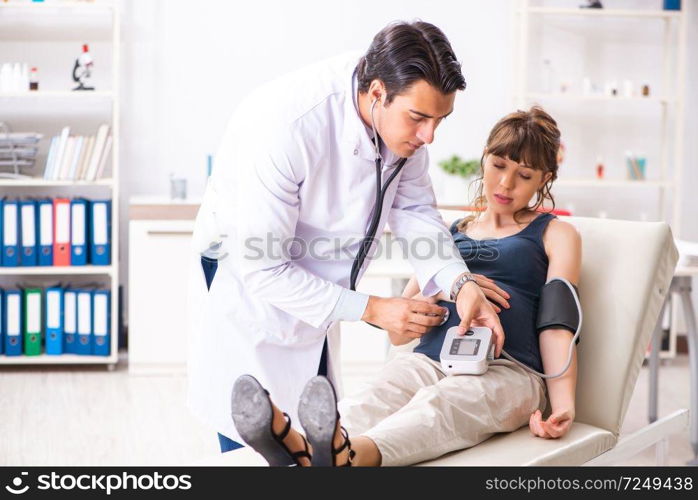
x,y
626,272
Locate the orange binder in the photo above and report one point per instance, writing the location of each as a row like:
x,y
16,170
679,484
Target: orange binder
x,y
61,232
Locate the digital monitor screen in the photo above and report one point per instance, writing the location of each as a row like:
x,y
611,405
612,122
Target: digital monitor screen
x,y
465,347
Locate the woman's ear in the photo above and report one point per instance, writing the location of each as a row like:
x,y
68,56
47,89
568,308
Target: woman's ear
x,y
546,178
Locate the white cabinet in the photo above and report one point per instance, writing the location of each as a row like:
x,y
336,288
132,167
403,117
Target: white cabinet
x,y
158,253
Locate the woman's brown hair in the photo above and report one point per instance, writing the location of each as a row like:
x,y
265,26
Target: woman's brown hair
x,y
528,137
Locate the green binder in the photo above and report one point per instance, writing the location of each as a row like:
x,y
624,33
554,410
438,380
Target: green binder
x,y
32,321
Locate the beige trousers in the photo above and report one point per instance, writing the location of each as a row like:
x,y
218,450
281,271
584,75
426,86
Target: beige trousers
x,y
414,412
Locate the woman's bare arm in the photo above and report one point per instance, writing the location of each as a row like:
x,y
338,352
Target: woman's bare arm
x,y
564,248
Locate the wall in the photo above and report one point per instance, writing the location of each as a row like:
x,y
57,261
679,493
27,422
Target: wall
x,y
187,64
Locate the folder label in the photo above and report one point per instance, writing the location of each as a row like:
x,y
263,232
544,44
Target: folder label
x,y
78,226
28,226
62,223
100,224
84,315
10,225
53,309
34,312
46,227
13,318
69,318
100,314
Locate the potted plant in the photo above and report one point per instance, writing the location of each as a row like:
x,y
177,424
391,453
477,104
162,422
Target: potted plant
x,y
463,172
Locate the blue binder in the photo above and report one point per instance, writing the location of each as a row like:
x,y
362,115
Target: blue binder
x,y
100,232
2,233
2,320
45,226
78,232
27,225
10,234
70,321
54,320
101,322
84,337
13,323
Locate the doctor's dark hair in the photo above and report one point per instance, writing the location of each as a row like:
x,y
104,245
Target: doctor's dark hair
x,y
403,53
530,137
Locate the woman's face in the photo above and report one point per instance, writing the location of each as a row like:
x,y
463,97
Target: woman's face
x,y
509,186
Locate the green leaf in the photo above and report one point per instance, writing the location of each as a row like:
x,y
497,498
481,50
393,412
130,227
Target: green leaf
x,y
455,165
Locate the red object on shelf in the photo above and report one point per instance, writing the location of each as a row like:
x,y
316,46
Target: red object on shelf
x,y
61,232
557,211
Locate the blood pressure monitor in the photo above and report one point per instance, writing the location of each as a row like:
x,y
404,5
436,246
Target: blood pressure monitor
x,y
467,354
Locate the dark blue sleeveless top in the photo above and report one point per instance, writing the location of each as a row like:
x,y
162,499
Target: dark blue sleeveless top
x,y
519,265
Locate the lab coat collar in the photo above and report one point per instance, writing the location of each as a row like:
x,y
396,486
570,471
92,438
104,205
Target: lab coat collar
x,y
355,135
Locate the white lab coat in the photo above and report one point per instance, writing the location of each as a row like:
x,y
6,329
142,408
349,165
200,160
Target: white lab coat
x,y
295,160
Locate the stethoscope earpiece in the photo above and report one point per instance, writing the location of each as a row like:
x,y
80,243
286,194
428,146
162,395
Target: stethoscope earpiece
x,y
376,147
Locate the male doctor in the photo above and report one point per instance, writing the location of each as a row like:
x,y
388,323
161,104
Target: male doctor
x,y
291,197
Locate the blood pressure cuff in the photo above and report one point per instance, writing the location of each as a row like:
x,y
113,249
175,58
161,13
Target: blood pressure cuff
x,y
558,307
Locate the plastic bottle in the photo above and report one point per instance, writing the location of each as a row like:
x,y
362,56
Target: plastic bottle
x,y
5,77
34,79
599,168
17,78
24,82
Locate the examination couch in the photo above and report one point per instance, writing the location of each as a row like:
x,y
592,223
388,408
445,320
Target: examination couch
x,y
626,271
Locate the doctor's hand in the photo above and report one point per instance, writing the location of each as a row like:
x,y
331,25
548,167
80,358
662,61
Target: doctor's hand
x,y
475,310
557,425
404,319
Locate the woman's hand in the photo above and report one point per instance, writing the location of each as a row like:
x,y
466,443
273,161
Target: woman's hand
x,y
557,425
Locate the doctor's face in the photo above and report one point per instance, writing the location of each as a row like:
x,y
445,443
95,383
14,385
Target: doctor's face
x,y
410,121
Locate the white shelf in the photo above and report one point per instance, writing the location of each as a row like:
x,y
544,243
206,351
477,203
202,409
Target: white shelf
x,y
61,359
52,21
612,183
535,96
56,270
59,94
637,13
38,182
56,4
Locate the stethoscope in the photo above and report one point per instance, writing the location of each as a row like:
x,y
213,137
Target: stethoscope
x,y
378,209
